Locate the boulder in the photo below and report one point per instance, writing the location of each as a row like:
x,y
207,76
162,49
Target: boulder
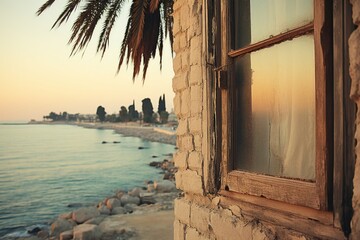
x,y
83,214
150,187
130,208
61,225
43,234
127,199
87,232
118,210
113,203
67,235
147,198
96,220
67,215
104,210
119,194
164,186
136,192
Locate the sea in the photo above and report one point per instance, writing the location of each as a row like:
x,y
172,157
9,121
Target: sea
x,y
46,168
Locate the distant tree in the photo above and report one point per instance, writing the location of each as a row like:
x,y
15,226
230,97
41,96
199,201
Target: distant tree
x,y
148,110
111,118
161,106
124,116
133,114
53,116
100,112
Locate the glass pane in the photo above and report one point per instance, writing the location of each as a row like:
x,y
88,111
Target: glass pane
x,y
257,20
274,104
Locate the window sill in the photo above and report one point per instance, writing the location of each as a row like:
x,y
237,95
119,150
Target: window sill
x,y
302,219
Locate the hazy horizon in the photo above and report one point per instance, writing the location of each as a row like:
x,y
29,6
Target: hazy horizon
x,y
37,76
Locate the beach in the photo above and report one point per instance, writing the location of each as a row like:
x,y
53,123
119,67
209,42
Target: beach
x,y
139,213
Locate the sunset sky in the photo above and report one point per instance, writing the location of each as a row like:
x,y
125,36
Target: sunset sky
x,y
37,75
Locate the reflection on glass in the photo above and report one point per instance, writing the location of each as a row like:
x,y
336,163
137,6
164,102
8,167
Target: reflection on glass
x,y
257,20
275,110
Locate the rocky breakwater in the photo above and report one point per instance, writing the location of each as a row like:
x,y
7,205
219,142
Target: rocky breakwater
x,y
105,220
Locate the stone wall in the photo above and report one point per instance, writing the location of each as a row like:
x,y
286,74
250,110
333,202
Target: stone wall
x,y
198,214
354,52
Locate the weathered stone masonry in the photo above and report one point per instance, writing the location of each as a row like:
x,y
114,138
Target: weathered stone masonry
x,y
198,215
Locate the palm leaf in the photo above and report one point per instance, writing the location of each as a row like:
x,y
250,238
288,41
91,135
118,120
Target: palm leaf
x,y
45,6
112,14
69,9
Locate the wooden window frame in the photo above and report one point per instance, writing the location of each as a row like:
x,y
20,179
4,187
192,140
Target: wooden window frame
x,y
328,215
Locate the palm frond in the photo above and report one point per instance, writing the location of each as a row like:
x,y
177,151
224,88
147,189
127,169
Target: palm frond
x,y
149,21
154,5
69,9
44,7
84,25
112,13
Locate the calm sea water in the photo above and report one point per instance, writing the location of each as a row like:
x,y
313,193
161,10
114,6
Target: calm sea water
x,y
44,168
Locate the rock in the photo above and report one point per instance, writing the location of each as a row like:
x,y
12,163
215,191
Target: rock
x,y
87,232
154,156
140,148
147,198
67,235
34,230
116,142
104,142
154,164
61,225
150,187
136,192
127,199
164,186
75,205
119,194
113,203
96,220
43,234
104,210
67,215
118,210
83,214
130,208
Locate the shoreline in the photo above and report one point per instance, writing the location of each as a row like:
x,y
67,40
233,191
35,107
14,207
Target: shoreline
x,y
132,221
151,133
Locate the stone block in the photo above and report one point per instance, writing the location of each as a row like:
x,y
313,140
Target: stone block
x,y
185,17
177,104
200,218
195,125
185,103
222,225
196,94
198,142
183,42
356,11
186,143
67,235
178,179
195,76
180,159
179,230
354,57
192,182
177,64
195,162
182,127
182,210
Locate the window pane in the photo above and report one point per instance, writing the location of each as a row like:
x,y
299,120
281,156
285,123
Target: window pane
x,y
257,20
274,105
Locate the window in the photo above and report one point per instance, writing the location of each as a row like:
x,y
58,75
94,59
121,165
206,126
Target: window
x,y
279,102
285,132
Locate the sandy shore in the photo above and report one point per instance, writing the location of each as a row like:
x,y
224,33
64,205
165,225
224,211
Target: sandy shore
x,y
150,133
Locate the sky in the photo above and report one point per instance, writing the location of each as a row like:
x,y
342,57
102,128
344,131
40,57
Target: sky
x,y
38,76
